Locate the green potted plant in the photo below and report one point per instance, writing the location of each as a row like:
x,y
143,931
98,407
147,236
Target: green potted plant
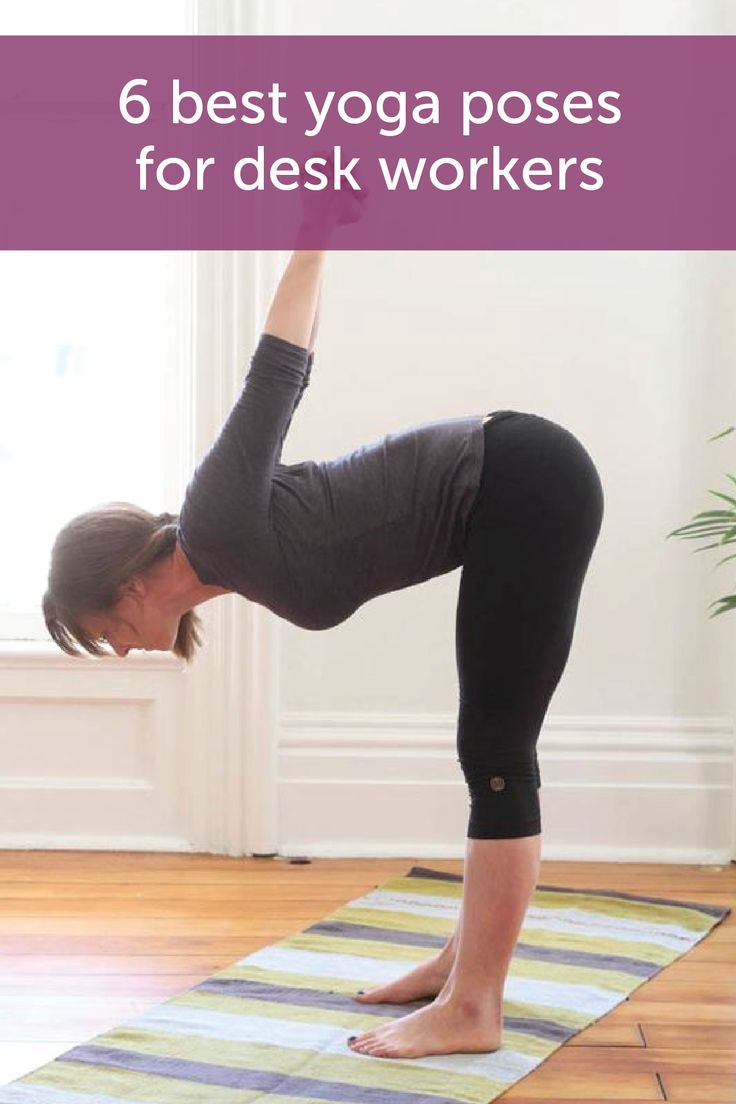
x,y
711,523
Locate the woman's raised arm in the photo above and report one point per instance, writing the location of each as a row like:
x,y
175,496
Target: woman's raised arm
x,y
294,307
315,324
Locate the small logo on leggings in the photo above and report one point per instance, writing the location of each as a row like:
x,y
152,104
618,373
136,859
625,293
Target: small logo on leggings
x,y
498,783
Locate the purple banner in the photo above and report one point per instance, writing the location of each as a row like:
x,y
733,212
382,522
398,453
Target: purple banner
x,y
369,142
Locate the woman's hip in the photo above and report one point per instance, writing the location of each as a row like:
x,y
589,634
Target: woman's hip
x,y
540,496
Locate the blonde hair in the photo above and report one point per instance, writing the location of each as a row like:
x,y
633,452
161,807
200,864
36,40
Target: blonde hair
x,y
93,556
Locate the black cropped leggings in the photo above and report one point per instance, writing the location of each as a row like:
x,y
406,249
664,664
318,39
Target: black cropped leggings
x,y
529,538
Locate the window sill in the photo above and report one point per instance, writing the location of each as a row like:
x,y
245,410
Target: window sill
x,y
44,654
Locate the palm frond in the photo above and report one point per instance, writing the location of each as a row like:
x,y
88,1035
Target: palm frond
x,y
727,603
714,523
724,433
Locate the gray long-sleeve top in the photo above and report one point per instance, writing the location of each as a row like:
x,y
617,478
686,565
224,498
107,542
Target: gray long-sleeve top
x,y
313,541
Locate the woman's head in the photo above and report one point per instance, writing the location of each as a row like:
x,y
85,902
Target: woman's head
x,y
102,586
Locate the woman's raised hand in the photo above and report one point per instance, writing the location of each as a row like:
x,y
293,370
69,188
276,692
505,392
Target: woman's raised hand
x,y
323,210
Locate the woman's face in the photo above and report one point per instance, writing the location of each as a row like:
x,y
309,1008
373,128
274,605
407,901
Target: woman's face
x,y
136,622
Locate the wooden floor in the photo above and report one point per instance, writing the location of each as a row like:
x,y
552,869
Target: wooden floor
x,y
90,939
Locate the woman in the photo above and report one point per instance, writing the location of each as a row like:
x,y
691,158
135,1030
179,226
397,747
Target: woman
x,y
511,498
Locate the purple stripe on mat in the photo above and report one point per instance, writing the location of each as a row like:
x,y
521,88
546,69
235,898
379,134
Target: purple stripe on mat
x,y
343,1002
303,998
344,929
207,1073
548,1029
710,910
437,875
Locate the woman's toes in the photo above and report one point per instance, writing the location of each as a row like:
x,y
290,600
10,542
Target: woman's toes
x,y
360,1041
378,994
371,1044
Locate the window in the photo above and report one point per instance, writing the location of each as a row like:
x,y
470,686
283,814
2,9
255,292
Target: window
x,y
91,355
90,375
90,359
90,17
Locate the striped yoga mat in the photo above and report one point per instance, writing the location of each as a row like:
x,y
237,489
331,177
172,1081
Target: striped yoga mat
x,y
275,1023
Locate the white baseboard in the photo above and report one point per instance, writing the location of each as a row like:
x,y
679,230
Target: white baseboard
x,y
614,789
80,841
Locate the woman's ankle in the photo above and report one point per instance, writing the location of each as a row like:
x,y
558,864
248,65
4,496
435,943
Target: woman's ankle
x,y
448,952
468,1001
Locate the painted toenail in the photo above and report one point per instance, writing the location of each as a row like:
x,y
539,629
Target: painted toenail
x,y
352,1038
360,992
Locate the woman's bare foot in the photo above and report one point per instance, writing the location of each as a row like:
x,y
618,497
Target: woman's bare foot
x,y
425,980
447,1026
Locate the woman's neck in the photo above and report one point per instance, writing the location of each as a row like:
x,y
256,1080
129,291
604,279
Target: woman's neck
x,y
182,588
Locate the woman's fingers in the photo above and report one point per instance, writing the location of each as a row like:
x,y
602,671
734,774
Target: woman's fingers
x,y
329,207
351,210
